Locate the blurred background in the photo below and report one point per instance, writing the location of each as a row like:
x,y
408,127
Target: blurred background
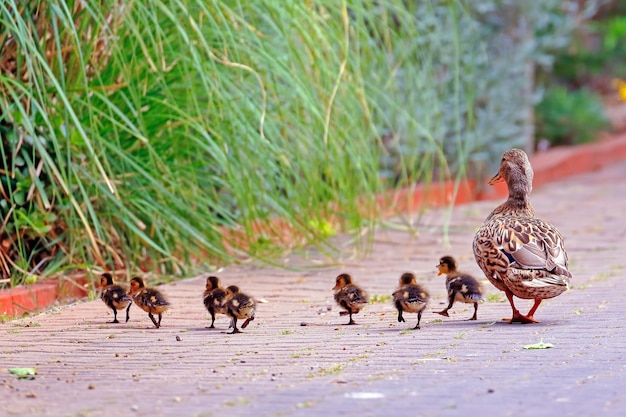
x,y
177,136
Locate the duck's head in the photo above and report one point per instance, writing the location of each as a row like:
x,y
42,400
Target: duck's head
x,y
446,265
136,283
212,283
341,281
106,279
516,171
407,278
232,290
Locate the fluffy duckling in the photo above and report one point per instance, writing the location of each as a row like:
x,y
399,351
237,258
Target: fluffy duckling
x,y
410,297
239,306
349,296
214,297
461,287
148,299
114,296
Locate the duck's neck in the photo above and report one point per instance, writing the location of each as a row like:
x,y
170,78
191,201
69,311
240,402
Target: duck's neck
x,y
518,203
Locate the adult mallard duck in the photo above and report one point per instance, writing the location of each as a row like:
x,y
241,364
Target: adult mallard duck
x,y
214,297
520,254
349,296
239,306
410,297
114,296
148,299
461,286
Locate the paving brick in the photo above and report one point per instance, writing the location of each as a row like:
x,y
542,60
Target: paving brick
x,y
87,367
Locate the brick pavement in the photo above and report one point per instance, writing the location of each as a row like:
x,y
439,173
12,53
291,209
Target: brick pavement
x,y
450,367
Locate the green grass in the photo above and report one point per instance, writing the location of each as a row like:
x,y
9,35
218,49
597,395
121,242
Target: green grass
x,y
169,134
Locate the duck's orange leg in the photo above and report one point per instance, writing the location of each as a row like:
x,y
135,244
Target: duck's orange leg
x,y
531,313
517,316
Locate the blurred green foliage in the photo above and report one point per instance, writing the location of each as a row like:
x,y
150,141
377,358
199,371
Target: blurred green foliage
x,y
570,117
167,134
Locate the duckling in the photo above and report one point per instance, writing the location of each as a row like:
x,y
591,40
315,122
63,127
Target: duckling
x,y
114,296
148,299
410,297
239,306
349,296
461,287
214,296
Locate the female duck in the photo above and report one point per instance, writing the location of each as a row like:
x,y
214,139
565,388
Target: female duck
x,y
520,254
148,299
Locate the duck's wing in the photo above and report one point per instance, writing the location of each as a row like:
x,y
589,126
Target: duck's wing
x,y
354,294
466,285
531,244
411,294
153,297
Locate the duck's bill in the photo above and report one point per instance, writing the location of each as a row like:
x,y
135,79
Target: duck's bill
x,y
496,179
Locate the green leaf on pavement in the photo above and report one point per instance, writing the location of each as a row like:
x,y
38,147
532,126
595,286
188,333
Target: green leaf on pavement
x,y
540,345
24,373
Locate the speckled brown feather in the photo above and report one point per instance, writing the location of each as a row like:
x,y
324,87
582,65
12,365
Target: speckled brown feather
x,y
151,300
464,288
412,298
517,251
525,255
351,296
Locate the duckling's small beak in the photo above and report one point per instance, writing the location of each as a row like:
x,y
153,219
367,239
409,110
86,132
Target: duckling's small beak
x,y
335,288
496,179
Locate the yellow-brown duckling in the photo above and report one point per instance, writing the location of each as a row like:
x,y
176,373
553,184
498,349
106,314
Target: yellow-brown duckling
x,y
410,297
239,306
461,287
148,299
349,296
114,296
214,297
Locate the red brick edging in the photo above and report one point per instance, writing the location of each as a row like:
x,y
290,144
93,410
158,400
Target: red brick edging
x,y
550,166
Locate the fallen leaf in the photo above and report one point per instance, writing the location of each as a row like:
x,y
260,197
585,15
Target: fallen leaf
x,y
24,373
540,345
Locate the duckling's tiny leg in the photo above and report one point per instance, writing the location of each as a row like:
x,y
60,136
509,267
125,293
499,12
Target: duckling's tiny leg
x,y
419,318
399,308
153,320
114,316
475,311
127,312
160,316
444,312
234,322
351,321
212,312
245,323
